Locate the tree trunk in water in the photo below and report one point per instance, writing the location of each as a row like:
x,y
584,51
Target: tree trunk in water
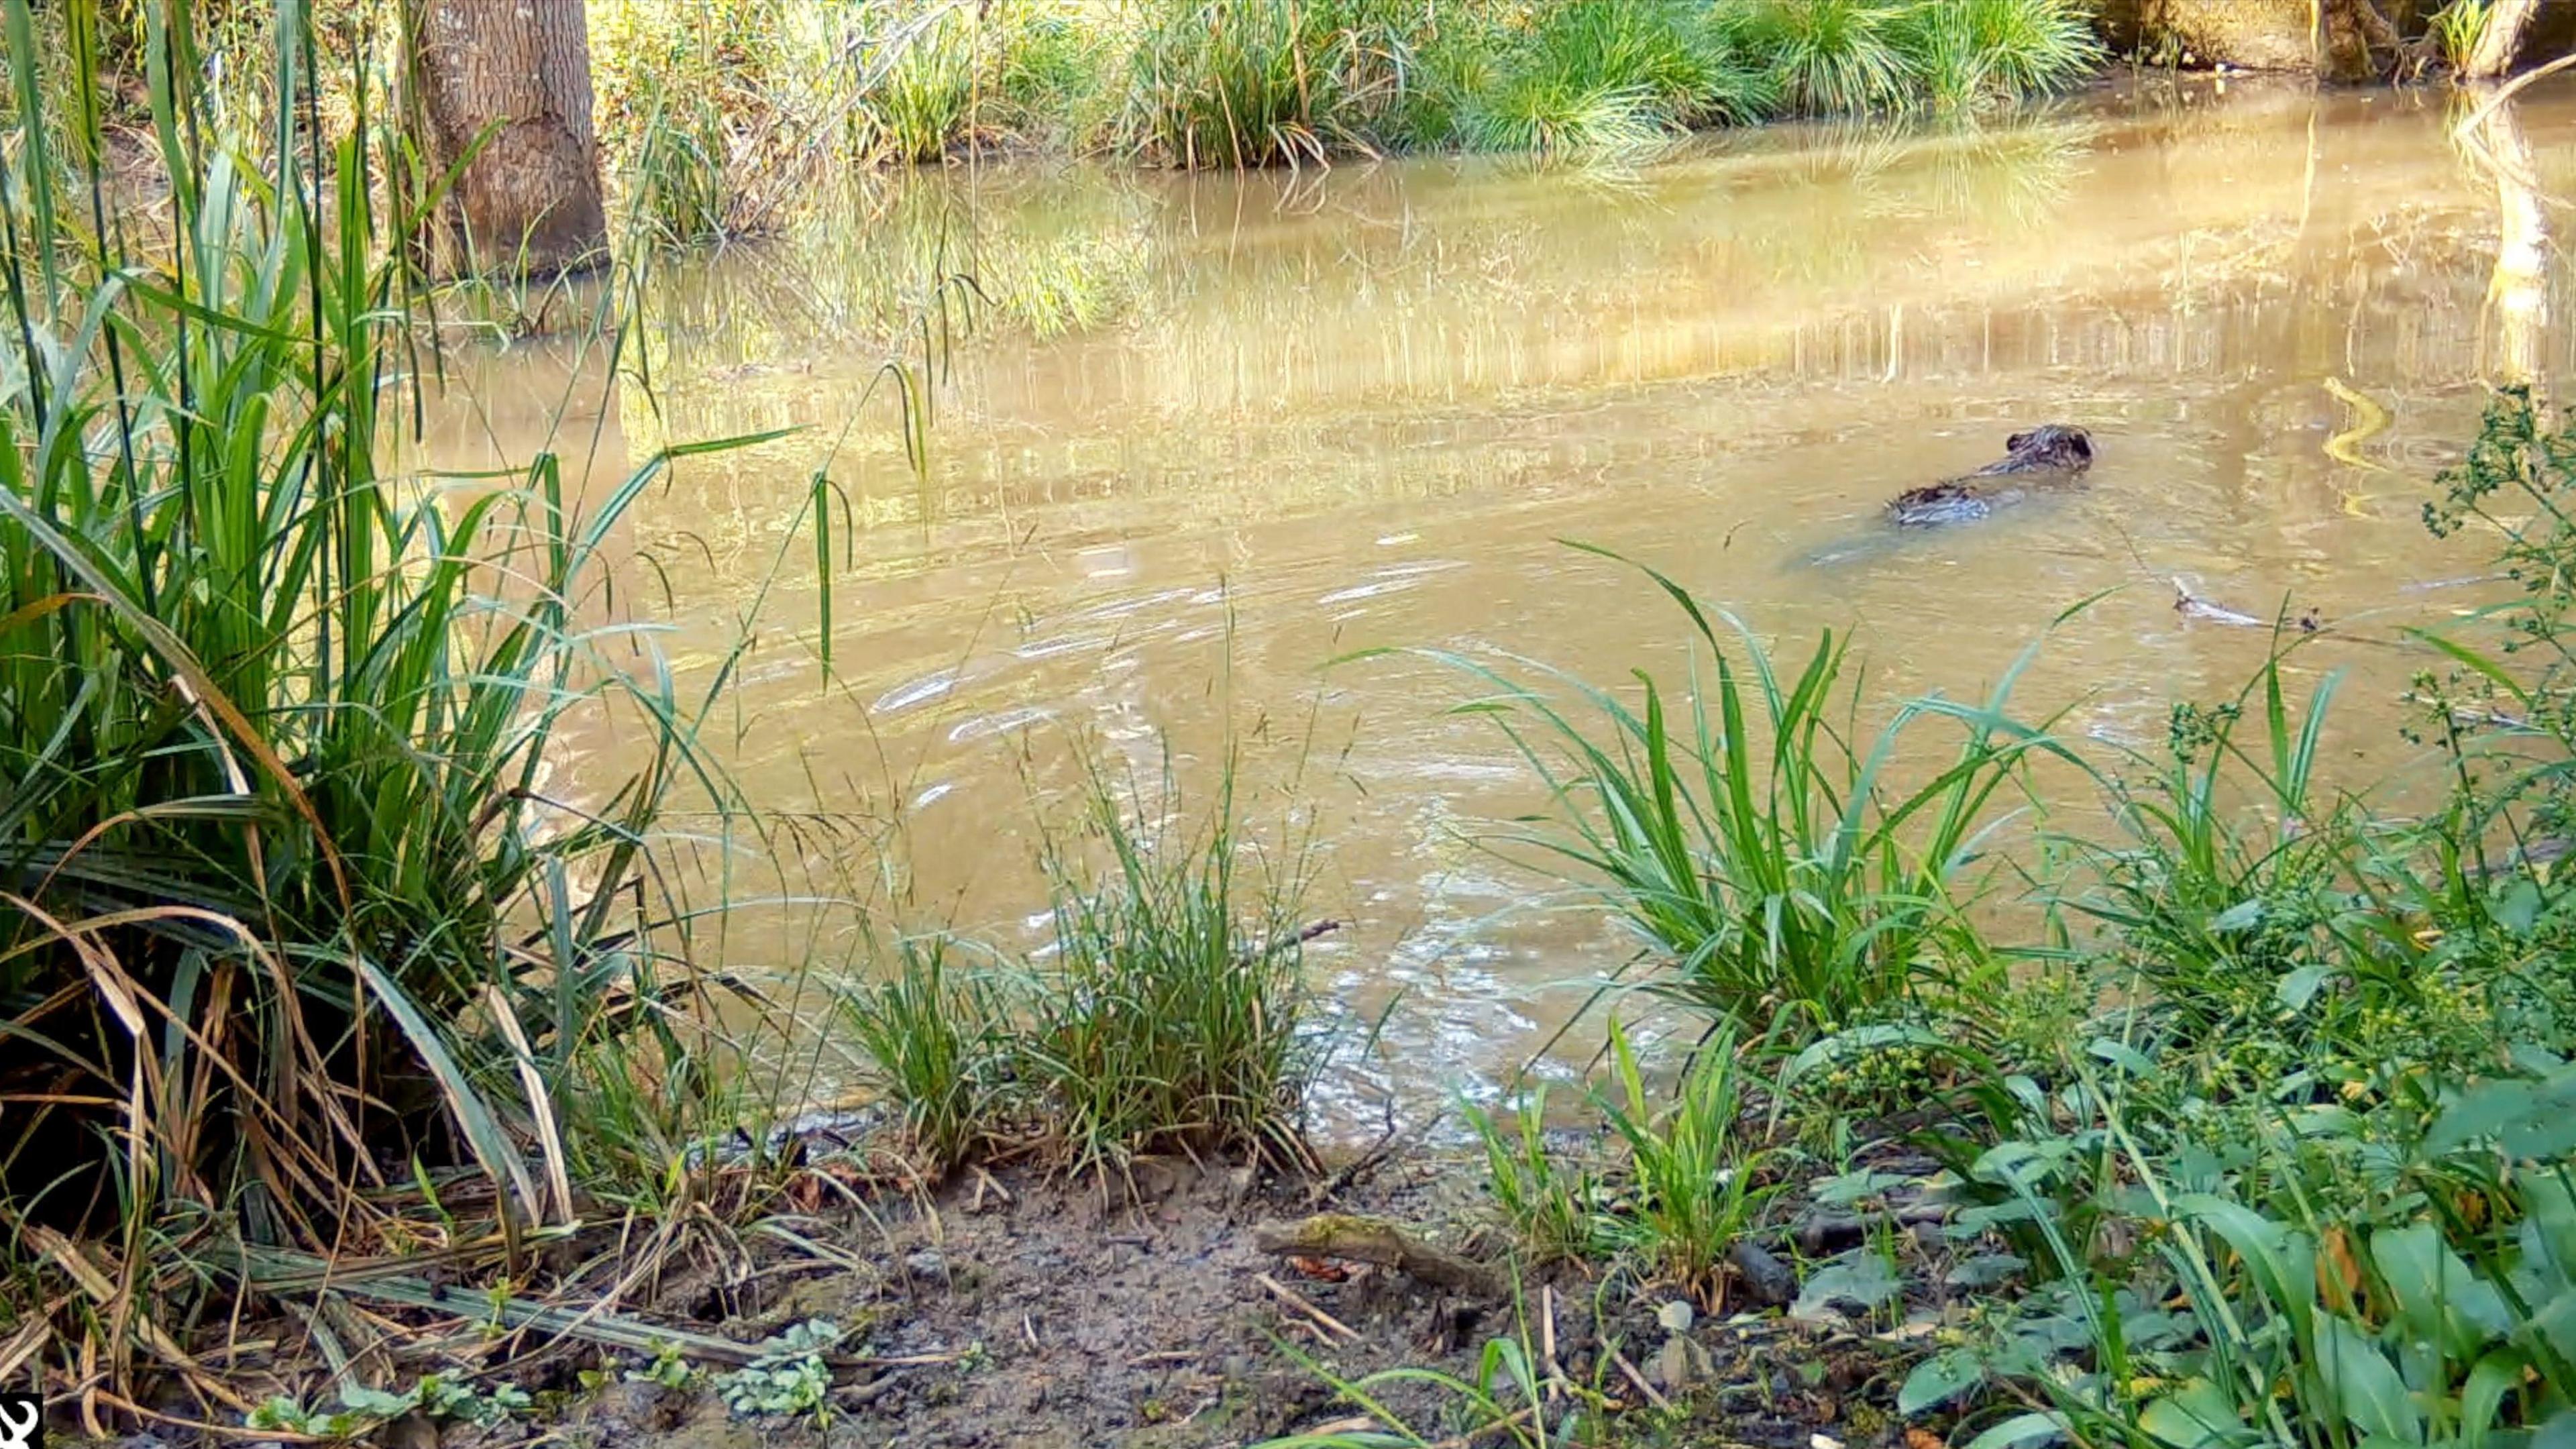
x,y
2501,41
530,198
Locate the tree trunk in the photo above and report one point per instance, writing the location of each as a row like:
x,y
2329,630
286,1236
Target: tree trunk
x,y
2501,41
2329,38
530,199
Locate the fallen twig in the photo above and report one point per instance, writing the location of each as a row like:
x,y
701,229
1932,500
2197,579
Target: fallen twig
x,y
1386,1146
272,1270
984,1183
1293,1299
1547,1342
1263,952
1629,1371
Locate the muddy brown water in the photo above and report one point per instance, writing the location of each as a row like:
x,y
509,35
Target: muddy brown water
x,y
1207,436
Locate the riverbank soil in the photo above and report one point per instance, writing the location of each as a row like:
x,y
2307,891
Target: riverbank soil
x,y
1021,1311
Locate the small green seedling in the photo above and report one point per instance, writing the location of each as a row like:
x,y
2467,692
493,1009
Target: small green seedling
x,y
788,1378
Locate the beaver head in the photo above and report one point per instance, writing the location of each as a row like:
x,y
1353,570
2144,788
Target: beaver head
x,y
2056,446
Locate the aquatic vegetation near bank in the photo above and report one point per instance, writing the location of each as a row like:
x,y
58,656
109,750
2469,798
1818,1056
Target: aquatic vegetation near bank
x,y
2288,1160
1259,82
1690,1179
1169,1012
715,117
1757,843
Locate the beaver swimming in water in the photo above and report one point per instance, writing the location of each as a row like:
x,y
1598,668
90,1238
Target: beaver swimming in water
x,y
2055,453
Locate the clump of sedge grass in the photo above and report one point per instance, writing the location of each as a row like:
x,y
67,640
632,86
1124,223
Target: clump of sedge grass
x,y
1257,82
1757,846
1174,1012
938,1044
1832,57
1595,75
922,101
1170,1012
1975,52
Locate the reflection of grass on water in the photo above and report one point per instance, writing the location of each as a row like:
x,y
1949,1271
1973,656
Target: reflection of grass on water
x,y
1057,252
1047,254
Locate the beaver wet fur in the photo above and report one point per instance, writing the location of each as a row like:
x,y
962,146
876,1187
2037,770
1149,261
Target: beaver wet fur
x,y
2055,453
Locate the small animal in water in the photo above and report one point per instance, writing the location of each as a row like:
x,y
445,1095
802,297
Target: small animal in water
x,y
2054,454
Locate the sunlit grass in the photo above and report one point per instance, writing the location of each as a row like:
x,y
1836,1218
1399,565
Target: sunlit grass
x,y
1979,52
920,105
1246,83
1600,76
1832,56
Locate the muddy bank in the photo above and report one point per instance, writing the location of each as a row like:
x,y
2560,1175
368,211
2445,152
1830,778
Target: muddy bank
x,y
1019,1311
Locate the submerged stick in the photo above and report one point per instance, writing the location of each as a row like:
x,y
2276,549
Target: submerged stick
x,y
2193,606
1251,955
1382,1243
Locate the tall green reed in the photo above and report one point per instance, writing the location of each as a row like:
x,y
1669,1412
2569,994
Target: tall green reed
x,y
302,889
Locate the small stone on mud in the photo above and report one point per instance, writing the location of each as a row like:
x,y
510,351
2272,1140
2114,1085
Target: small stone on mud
x,y
926,1265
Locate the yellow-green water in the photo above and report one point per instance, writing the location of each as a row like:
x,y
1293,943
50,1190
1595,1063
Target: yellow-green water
x,y
1209,434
